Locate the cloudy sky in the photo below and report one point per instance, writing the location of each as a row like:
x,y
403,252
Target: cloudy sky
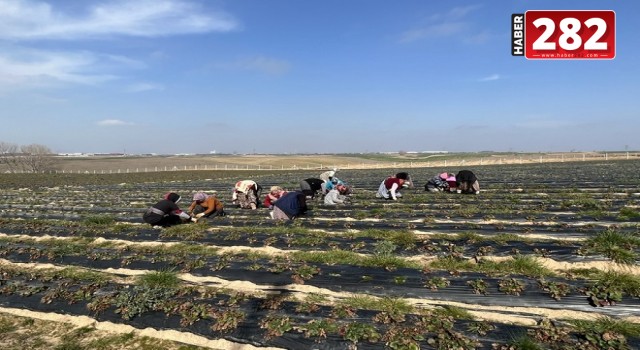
x,y
280,76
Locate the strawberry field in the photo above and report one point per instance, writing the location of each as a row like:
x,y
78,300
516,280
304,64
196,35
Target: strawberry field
x,y
545,257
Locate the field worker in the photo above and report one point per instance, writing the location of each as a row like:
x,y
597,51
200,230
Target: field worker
x,y
329,185
391,186
451,180
437,183
289,206
311,186
467,182
328,175
274,194
336,195
166,212
205,205
246,194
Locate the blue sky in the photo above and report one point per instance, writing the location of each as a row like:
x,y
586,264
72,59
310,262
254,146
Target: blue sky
x,y
287,76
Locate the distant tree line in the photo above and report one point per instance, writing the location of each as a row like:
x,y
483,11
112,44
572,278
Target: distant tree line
x,y
28,158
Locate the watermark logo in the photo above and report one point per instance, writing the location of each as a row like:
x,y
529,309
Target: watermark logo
x,y
566,34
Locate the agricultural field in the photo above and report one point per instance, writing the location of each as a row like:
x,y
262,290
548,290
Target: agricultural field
x,y
545,257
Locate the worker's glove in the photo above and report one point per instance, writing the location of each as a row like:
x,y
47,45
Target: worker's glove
x,y
198,216
194,219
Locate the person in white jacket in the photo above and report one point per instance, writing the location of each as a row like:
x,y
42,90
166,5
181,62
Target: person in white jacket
x,y
336,195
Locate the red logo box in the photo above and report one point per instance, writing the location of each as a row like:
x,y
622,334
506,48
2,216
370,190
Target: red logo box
x,y
575,34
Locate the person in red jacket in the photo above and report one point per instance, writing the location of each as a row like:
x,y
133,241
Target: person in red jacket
x,y
271,197
391,186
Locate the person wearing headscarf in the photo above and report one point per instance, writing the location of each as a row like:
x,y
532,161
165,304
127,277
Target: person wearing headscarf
x,y
246,194
337,195
290,206
311,186
437,183
467,182
204,205
166,212
328,175
274,194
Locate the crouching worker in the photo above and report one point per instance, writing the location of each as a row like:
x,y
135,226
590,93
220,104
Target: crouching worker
x,y
467,182
273,195
337,195
204,205
438,183
166,213
289,206
391,186
246,194
310,187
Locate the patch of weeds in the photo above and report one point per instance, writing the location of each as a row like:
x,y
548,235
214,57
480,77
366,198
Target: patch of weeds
x,y
186,232
617,246
99,220
452,263
304,273
627,213
609,287
159,279
522,342
454,312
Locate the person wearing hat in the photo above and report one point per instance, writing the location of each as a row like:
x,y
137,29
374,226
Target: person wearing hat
x,y
204,205
467,182
274,194
246,194
391,186
166,213
438,183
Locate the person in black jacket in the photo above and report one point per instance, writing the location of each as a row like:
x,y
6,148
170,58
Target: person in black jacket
x,y
289,206
467,182
166,212
311,186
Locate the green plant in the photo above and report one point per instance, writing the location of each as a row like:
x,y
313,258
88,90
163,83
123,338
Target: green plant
x,y
275,325
99,220
556,290
511,286
607,333
318,328
436,283
140,299
480,328
356,332
227,320
479,286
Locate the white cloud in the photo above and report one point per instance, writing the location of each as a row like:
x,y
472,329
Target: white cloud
x,y
261,64
441,25
113,122
25,67
34,20
491,77
142,87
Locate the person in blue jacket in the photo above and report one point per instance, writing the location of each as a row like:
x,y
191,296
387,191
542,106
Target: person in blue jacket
x,y
289,206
